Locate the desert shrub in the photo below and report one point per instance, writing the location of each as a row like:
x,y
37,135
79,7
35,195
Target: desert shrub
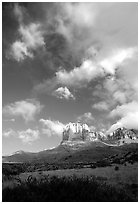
x,y
131,162
103,163
117,161
100,178
93,166
68,189
116,168
14,169
134,157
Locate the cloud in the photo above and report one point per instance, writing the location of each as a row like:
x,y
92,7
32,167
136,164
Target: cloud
x,y
128,114
27,109
46,86
120,89
102,38
106,41
129,121
123,102
91,69
75,11
103,97
114,91
19,51
28,135
120,96
8,133
63,93
86,118
89,120
79,75
114,42
101,106
70,15
18,12
110,64
125,109
31,38
9,120
52,128
32,35
106,25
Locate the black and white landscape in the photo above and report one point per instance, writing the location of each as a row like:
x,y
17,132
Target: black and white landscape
x,y
70,102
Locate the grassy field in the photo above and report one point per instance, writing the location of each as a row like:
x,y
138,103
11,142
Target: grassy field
x,y
69,189
110,177
109,183
123,175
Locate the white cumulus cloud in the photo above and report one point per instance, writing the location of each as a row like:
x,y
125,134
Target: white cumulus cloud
x,y
19,51
86,118
18,12
90,69
27,109
63,93
51,128
8,133
31,38
32,35
111,63
124,109
128,116
79,76
101,106
28,135
73,13
129,121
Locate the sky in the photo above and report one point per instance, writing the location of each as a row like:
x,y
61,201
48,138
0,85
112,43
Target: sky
x,y
65,62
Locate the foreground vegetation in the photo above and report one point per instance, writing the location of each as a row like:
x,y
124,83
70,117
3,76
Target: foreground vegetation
x,y
130,156
68,189
109,175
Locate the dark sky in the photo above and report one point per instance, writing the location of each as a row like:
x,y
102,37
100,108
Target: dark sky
x,y
64,62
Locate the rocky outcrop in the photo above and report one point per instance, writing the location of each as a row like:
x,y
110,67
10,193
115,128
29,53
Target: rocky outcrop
x,y
123,133
79,132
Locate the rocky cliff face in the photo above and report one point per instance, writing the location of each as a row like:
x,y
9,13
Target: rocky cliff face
x,y
79,132
123,133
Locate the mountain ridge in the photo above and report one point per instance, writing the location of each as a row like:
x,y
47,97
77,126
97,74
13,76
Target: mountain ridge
x,y
69,148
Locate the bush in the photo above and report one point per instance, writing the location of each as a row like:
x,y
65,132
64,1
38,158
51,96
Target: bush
x,y
116,168
13,169
93,166
103,163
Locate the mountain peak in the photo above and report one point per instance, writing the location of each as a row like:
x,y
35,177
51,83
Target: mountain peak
x,y
123,133
80,132
17,152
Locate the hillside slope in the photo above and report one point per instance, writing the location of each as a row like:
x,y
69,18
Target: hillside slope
x,y
84,152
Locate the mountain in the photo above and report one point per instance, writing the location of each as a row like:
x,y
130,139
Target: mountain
x,y
71,152
123,135
80,132
80,146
